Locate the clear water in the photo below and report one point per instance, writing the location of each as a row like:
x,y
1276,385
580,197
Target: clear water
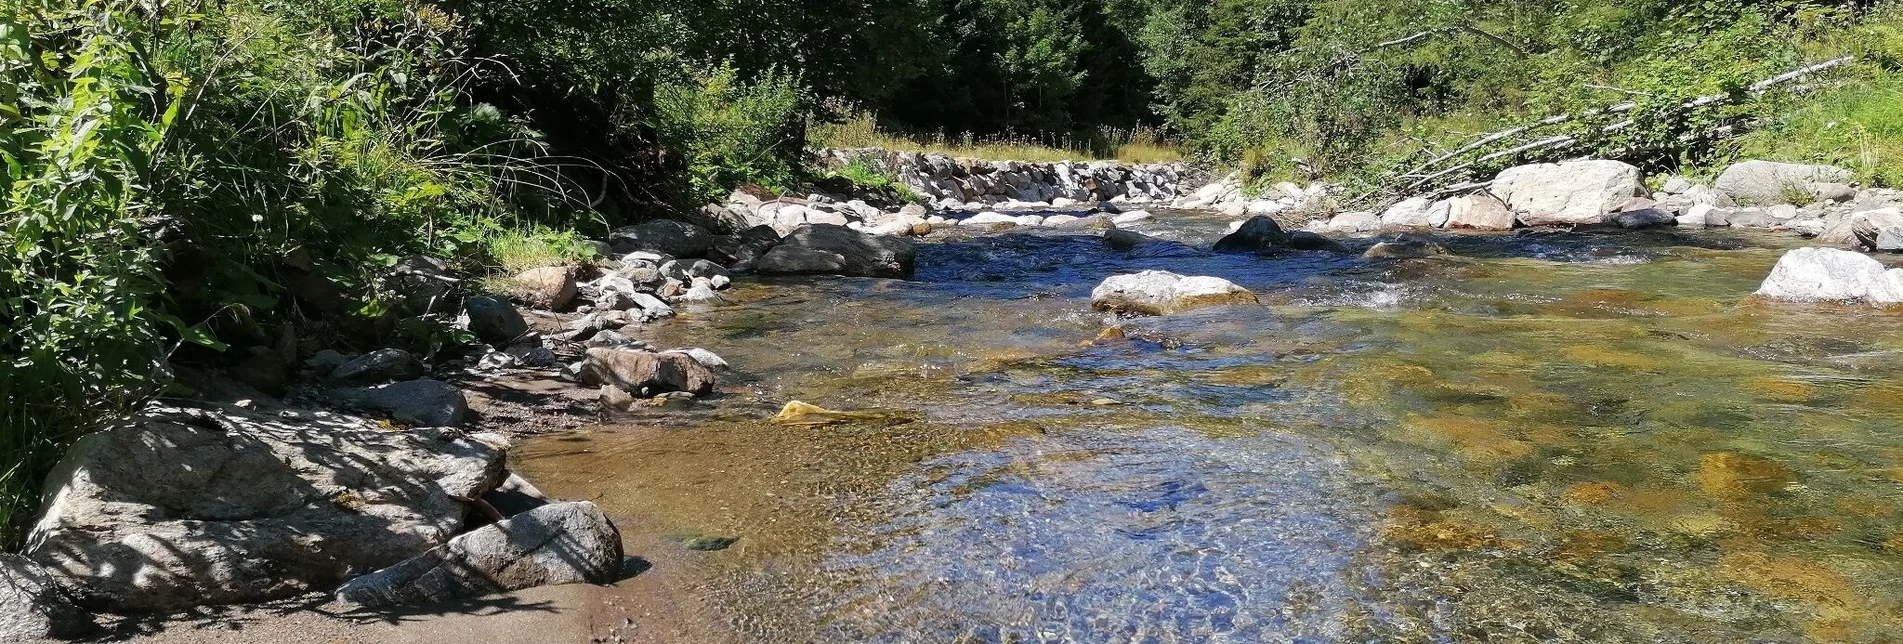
x,y
1552,437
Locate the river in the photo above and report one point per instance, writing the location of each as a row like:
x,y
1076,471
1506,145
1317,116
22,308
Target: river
x,y
1550,437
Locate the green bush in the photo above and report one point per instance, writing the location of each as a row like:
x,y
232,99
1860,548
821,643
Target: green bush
x,y
83,125
731,132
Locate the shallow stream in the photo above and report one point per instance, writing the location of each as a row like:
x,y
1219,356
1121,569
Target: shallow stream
x,y
1552,436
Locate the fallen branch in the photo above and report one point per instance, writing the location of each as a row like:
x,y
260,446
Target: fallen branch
x,y
1755,89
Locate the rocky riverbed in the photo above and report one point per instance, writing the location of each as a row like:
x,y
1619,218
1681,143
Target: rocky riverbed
x,y
820,420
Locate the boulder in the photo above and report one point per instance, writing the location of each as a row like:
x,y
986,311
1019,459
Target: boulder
x,y
1354,222
1304,240
1126,240
1644,218
494,320
1567,194
549,288
987,219
1829,274
1833,192
1132,217
382,365
1163,293
425,284
184,507
560,543
1697,216
1412,213
824,249
419,403
1768,182
645,373
662,236
32,605
1259,234
1478,212
1880,230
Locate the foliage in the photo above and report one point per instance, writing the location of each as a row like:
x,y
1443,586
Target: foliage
x,y
732,132
81,130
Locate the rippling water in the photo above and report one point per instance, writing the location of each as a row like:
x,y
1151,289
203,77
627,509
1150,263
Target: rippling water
x,y
1551,437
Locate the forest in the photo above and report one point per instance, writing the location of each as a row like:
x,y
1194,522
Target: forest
x,y
178,171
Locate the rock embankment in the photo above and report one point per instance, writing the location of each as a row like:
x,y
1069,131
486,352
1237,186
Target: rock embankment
x,y
1807,200
976,184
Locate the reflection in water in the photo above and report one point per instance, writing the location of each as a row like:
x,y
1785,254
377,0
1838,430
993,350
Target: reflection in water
x,y
1550,437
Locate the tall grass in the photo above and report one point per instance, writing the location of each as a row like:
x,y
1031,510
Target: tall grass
x,y
1857,126
862,130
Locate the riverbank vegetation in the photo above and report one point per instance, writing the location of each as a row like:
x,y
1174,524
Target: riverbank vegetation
x,y
205,180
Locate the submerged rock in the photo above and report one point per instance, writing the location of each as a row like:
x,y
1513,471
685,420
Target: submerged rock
x,y
561,543
1406,249
645,373
185,507
1163,293
825,249
1829,274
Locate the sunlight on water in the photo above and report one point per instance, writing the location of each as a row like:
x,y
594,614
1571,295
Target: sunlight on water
x,y
1549,437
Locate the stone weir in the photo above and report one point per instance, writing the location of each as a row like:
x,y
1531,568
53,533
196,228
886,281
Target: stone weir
x,y
959,183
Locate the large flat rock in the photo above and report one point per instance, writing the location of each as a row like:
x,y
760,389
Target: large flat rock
x,y
183,507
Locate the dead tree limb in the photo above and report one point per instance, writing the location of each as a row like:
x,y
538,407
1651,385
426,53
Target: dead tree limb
x,y
1757,88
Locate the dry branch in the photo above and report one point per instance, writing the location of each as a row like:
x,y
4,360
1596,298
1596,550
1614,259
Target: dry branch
x,y
1415,173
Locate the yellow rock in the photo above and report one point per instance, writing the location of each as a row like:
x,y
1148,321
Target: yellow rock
x,y
802,414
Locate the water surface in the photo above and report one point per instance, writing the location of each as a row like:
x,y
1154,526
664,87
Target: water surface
x,y
1551,437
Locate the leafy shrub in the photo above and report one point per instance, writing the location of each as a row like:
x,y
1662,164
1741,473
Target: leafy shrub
x,y
731,132
80,130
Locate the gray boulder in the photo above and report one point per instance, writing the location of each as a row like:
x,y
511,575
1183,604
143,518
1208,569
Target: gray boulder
x,y
1478,212
1880,230
1768,182
184,507
662,236
1645,218
419,403
561,543
826,249
1567,194
1164,293
1259,234
1829,274
494,320
382,365
1411,213
32,605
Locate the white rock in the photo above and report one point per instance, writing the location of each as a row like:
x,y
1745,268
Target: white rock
x,y
1767,182
1829,274
1132,217
1163,293
1059,220
1575,192
1030,220
988,218
1354,222
1696,217
1411,213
